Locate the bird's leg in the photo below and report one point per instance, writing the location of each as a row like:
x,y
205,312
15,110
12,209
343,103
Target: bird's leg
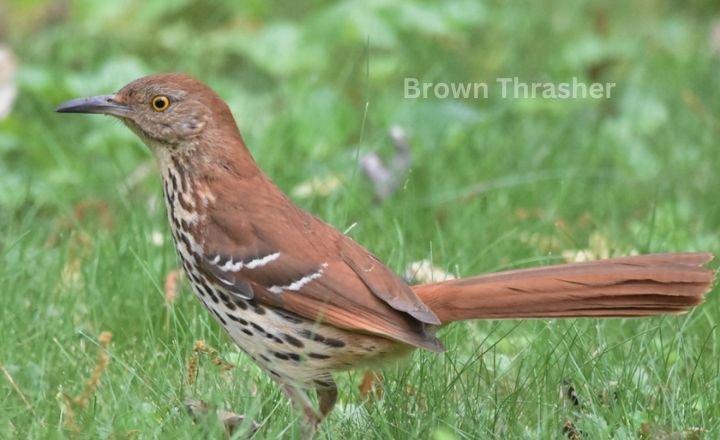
x,y
327,396
300,399
327,393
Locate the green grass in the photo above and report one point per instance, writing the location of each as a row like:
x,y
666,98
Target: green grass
x,y
495,184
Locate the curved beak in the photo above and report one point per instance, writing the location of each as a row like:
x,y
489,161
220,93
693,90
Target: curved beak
x,y
103,104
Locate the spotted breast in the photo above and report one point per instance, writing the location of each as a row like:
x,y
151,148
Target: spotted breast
x,y
299,353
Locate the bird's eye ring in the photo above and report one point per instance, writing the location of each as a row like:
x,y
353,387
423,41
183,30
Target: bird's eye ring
x,y
160,103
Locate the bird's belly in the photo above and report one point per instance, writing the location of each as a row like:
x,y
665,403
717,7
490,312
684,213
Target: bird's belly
x,y
290,348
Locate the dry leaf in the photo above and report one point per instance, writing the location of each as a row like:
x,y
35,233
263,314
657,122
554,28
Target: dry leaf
x,y
570,431
371,385
171,286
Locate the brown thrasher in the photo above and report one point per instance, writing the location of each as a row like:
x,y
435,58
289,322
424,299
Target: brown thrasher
x,y
302,299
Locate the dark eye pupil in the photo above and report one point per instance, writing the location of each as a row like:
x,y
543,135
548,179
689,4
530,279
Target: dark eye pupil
x,y
160,103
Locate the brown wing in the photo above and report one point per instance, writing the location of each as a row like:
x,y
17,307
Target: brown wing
x,y
298,263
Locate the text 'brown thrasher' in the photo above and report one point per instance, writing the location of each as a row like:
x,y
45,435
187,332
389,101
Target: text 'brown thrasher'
x,y
302,299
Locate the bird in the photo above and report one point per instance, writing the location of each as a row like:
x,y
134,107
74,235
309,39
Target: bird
x,y
305,301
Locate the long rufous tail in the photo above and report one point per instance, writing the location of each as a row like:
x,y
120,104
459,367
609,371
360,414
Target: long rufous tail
x,y
628,286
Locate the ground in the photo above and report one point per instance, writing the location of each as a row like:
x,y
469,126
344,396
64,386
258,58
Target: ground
x,y
495,182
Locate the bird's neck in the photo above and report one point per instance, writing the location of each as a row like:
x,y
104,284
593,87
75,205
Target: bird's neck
x,y
195,177
186,196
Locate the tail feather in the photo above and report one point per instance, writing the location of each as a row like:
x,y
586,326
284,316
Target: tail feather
x,y
627,286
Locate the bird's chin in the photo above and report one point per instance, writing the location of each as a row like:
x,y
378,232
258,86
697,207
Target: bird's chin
x,y
150,141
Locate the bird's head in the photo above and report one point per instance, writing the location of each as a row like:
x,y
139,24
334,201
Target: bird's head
x,y
168,111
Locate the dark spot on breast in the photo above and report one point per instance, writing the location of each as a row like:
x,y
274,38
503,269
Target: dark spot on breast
x,y
307,334
286,356
240,303
332,342
274,373
201,289
230,305
180,167
186,241
237,319
214,298
281,356
318,356
292,340
226,300
184,203
195,279
260,310
173,181
220,318
257,328
247,332
265,358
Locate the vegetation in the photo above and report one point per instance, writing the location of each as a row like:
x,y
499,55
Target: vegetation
x,y
494,183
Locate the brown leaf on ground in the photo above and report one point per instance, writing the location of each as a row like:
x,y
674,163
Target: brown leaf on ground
x,y
570,431
568,393
371,386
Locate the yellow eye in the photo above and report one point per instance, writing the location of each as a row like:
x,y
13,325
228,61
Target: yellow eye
x,y
160,103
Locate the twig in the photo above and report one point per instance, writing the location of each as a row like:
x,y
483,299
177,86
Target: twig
x,y
91,385
82,400
18,390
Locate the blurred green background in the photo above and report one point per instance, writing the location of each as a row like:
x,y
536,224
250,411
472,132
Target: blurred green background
x,y
494,183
